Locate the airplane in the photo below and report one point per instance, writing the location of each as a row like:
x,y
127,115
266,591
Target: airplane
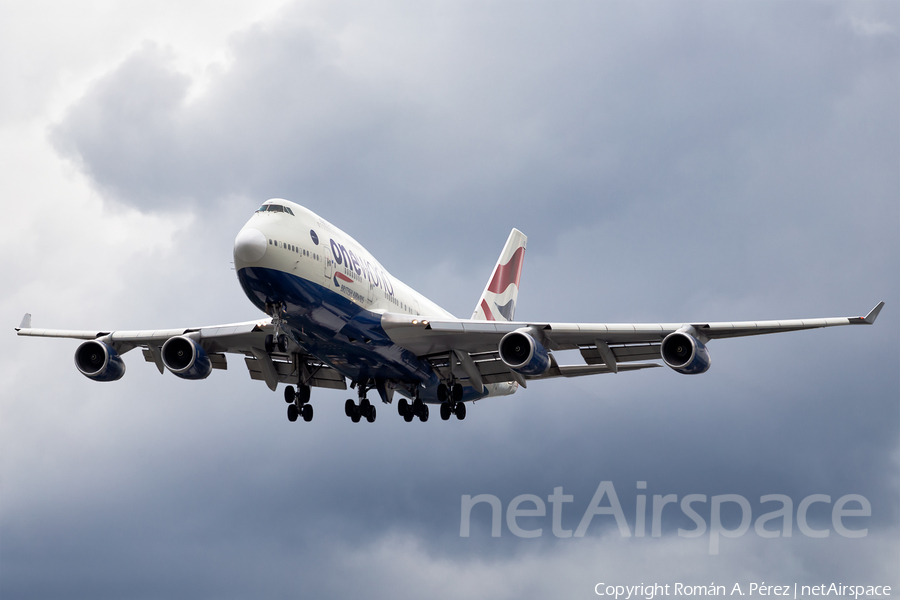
x,y
336,315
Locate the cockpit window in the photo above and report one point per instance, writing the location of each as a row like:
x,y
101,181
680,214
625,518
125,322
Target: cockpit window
x,y
275,208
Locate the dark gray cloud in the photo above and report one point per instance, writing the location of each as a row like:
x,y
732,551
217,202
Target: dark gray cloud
x,y
480,113
687,161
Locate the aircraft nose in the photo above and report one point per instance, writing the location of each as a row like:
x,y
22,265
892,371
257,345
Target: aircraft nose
x,y
250,245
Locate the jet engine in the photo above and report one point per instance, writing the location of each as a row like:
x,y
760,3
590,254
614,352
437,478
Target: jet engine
x,y
522,353
99,361
684,353
186,358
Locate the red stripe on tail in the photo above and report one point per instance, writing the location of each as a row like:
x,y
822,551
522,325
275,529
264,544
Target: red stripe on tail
x,y
507,274
487,311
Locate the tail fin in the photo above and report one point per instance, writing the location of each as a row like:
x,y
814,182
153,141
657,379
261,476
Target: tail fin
x,y
498,301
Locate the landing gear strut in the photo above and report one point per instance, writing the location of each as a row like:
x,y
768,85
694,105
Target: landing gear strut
x,y
278,340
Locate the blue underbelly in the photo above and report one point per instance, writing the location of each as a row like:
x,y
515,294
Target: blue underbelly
x,y
327,325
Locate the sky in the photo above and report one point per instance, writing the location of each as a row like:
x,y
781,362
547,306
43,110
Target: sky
x,y
669,161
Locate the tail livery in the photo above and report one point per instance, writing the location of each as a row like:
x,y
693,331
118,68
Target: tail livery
x,y
498,301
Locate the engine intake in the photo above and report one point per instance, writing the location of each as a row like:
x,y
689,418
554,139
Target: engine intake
x,y
684,353
98,361
522,353
186,358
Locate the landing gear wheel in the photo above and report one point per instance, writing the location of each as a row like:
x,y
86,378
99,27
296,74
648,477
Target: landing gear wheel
x,y
445,411
364,406
408,416
457,392
282,343
355,417
289,394
349,407
442,392
303,393
293,413
403,407
460,411
423,415
270,344
307,412
371,416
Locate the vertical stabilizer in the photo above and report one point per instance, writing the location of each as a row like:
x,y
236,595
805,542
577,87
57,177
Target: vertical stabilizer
x,y
498,301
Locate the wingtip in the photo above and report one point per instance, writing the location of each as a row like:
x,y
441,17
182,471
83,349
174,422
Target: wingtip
x,y
26,322
873,314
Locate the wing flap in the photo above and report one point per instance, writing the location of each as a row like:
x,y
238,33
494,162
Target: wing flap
x,y
622,354
320,375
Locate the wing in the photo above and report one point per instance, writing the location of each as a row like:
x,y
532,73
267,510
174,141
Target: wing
x,y
471,347
247,339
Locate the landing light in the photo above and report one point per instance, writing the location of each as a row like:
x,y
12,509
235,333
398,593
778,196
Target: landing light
x,y
415,321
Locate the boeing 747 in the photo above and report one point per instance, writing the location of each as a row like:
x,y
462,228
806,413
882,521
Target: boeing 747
x,y
335,315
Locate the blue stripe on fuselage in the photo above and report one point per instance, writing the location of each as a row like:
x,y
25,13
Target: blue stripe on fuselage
x,y
334,329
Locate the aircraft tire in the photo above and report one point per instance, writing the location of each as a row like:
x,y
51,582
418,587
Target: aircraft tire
x,y
445,411
442,392
460,411
282,343
303,393
423,415
269,344
403,407
292,412
355,417
349,407
289,394
457,392
307,412
409,416
370,417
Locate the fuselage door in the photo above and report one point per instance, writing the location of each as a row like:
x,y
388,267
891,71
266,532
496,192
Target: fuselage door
x,y
329,262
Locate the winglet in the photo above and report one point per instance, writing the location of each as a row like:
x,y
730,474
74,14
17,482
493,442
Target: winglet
x,y
26,322
869,318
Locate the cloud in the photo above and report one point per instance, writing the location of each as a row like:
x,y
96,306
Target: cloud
x,y
686,161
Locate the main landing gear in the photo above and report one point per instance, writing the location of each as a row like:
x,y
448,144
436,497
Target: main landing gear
x,y
411,411
363,410
298,403
451,401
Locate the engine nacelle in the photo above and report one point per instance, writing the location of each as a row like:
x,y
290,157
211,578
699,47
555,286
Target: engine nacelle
x,y
685,353
99,361
522,353
186,358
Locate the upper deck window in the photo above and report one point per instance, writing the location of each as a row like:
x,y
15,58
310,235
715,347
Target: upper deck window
x,y
275,208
